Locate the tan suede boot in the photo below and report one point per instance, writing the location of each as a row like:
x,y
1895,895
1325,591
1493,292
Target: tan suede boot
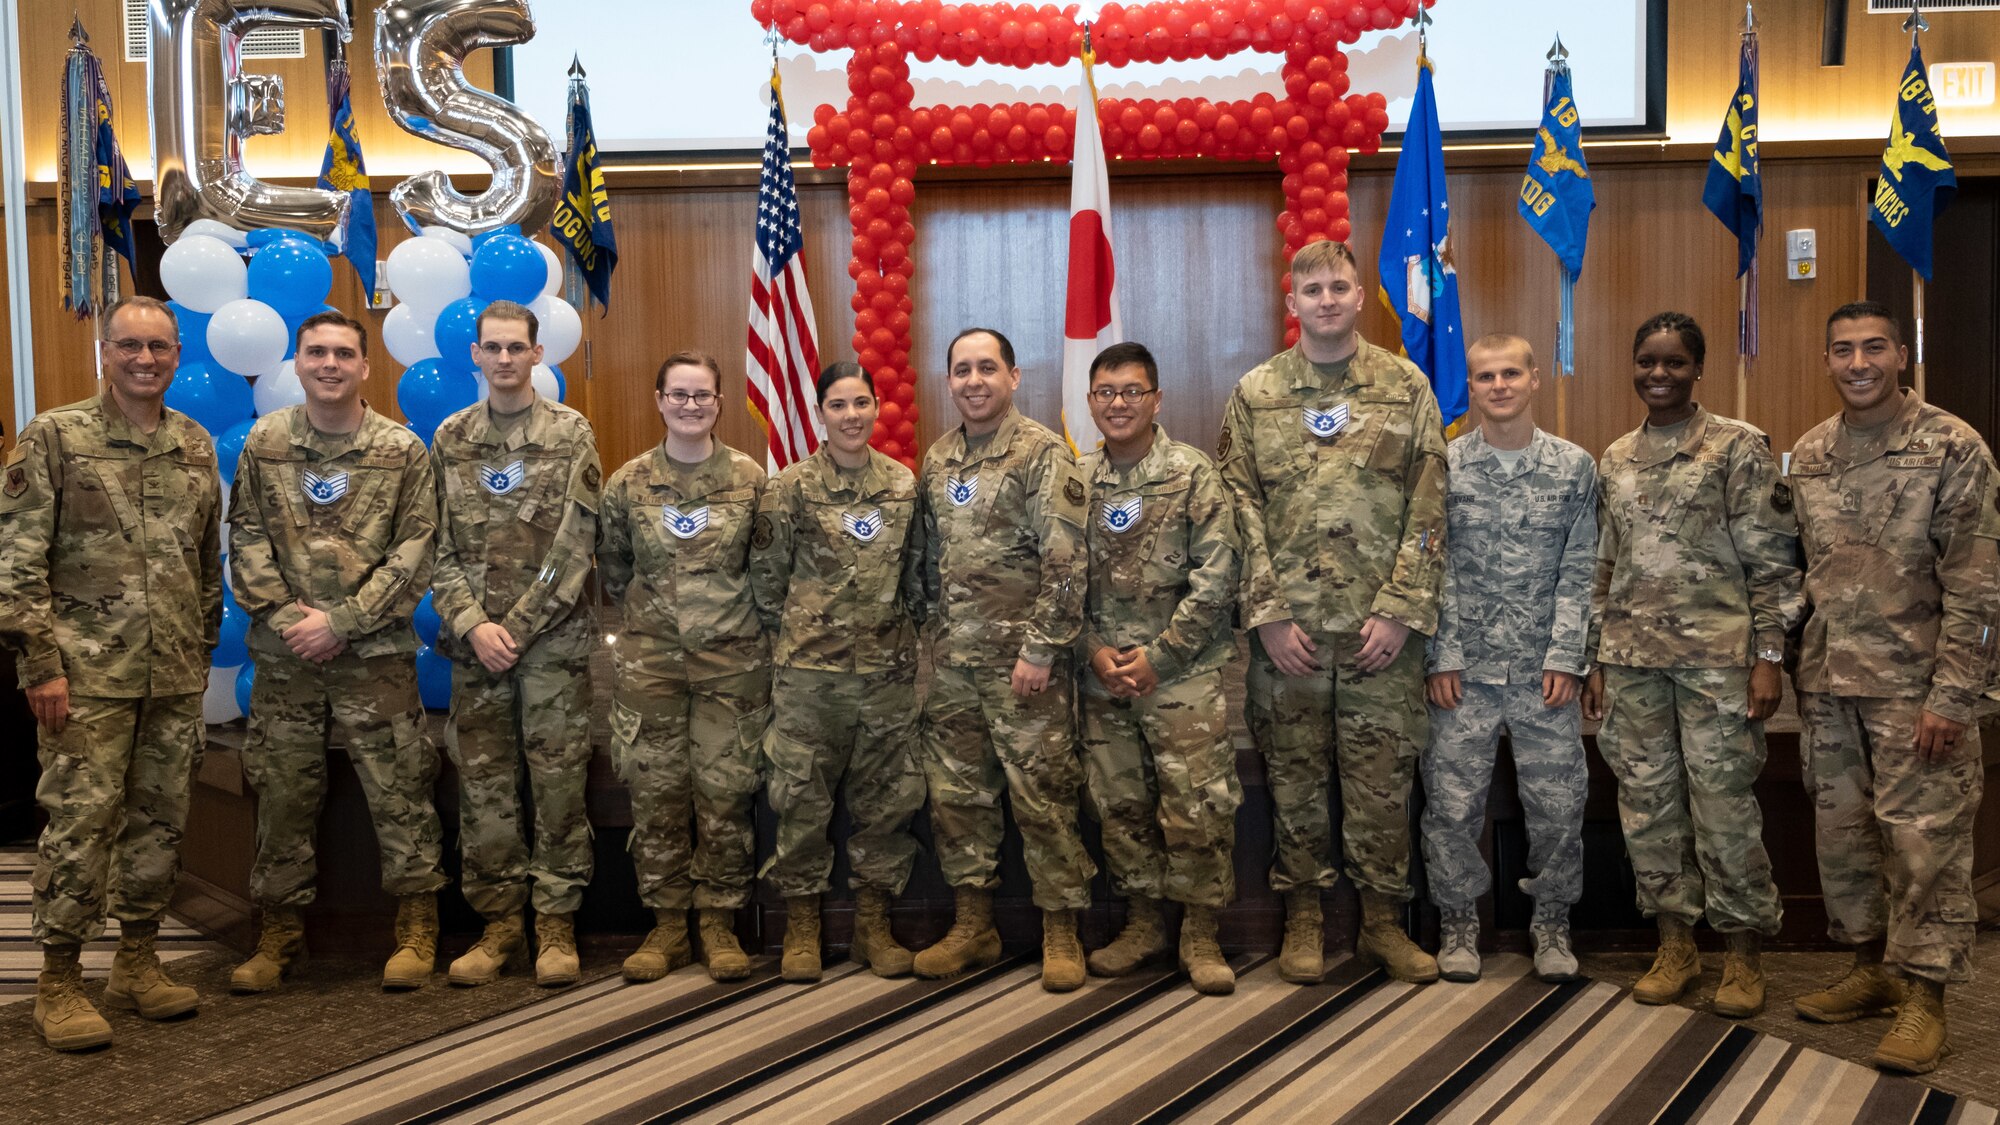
x,y
497,947
415,958
875,945
1062,952
1741,993
971,943
556,963
1866,990
801,960
719,947
1918,1042
281,949
1201,953
63,1017
1302,960
665,949
1674,967
138,984
1383,942
1142,941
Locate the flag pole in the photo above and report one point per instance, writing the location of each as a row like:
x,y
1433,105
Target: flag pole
x,y
1917,25
1746,289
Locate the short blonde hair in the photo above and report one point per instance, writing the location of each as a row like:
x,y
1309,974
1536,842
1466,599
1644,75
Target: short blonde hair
x,y
1323,255
1504,341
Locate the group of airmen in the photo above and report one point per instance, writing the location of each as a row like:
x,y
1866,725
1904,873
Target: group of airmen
x,y
1079,616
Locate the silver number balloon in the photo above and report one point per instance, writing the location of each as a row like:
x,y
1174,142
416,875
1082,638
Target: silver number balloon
x,y
204,107
420,49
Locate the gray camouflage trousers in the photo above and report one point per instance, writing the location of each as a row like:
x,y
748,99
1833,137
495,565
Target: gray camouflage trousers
x,y
294,706
115,786
1547,745
536,716
1686,754
1894,833
849,733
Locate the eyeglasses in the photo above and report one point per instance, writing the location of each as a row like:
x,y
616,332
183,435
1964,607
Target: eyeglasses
x,y
699,398
130,349
1131,395
515,349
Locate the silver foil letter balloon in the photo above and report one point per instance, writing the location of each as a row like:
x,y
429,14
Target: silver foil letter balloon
x,y
420,49
204,107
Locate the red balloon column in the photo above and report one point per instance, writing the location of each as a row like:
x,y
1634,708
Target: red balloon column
x,y
881,138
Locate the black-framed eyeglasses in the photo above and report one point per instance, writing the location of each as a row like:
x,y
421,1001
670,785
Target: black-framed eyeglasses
x,y
515,349
130,349
699,398
1131,395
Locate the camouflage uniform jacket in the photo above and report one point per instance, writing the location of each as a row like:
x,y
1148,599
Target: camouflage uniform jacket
x,y
516,528
1696,549
110,563
1521,558
1162,542
673,548
1340,528
344,523
1900,559
836,565
1004,564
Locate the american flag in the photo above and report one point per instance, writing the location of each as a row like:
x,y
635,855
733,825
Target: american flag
x,y
783,357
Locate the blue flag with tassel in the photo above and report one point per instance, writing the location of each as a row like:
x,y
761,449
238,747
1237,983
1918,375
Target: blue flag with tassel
x,y
1418,274
582,220
343,169
1917,179
1557,197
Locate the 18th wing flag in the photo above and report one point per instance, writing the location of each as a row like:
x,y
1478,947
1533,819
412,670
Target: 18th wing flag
x,y
1734,192
783,356
1917,178
1090,313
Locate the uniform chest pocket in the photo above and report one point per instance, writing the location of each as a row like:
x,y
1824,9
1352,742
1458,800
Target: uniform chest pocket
x,y
1898,516
712,531
1816,499
1281,445
1142,536
369,509
97,496
544,491
1381,444
1691,499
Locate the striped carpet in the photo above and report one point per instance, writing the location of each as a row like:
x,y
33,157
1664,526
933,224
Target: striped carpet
x,y
993,1047
21,958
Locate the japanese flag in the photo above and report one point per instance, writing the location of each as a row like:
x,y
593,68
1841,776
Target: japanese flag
x,y
1090,320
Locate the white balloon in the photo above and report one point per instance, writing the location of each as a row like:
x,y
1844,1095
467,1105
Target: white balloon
x,y
409,335
247,335
561,330
459,239
275,390
204,273
218,703
428,273
545,383
555,280
210,228
479,381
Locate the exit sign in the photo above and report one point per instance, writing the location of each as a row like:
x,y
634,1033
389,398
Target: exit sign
x,y
1962,85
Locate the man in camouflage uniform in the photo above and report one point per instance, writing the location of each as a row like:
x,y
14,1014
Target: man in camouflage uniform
x,y
1004,569
332,522
1896,503
518,478
1336,458
1509,655
1157,759
110,600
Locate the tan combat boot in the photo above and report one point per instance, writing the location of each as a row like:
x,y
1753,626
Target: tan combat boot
x,y
1674,968
1741,994
1383,942
281,948
1918,1041
1062,952
1866,990
875,945
66,1020
719,948
502,942
664,950
415,958
138,984
1201,953
1142,941
1302,960
556,962
971,943
801,960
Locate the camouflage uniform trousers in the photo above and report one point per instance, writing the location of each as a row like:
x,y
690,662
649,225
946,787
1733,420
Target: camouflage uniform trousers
x,y
293,707
1894,833
1161,775
536,714
981,742
689,755
115,786
853,733
1369,726
1547,748
1686,754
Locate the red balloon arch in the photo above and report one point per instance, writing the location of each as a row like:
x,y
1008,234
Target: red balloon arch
x,y
882,138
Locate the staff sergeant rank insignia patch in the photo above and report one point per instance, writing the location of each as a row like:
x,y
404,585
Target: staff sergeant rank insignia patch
x,y
1326,423
325,489
865,527
1118,518
961,491
684,525
502,481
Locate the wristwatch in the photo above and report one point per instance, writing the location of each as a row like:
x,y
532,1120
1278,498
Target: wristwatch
x,y
1771,655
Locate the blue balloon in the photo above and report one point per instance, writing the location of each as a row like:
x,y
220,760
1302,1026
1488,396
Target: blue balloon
x,y
457,331
229,450
216,399
427,621
429,392
244,679
507,267
194,333
233,647
512,230
265,236
433,678
291,276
